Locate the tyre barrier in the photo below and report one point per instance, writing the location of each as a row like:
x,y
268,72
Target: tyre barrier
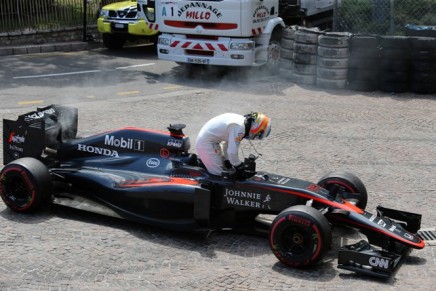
x,y
361,62
363,68
332,61
423,65
394,63
287,51
305,55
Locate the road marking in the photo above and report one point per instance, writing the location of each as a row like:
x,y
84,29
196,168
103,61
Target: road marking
x,y
135,66
79,72
171,87
30,102
58,74
128,93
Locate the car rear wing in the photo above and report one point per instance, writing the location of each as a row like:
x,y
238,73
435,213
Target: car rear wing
x,y
33,132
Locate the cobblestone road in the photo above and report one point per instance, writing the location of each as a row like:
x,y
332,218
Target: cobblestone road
x,y
389,141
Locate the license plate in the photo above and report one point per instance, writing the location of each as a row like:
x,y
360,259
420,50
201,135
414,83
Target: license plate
x,y
198,61
119,25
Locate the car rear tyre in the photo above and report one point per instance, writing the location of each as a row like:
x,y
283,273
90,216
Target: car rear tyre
x,y
25,185
352,187
300,236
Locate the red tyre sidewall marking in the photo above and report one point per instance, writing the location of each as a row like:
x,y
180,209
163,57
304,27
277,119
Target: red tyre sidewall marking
x,y
28,182
314,227
271,241
343,184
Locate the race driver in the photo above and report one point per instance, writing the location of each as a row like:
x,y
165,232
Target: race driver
x,y
218,141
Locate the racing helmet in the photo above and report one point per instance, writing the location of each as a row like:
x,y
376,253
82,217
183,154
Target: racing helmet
x,y
260,126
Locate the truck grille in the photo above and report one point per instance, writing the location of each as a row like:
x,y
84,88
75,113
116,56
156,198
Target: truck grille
x,y
126,14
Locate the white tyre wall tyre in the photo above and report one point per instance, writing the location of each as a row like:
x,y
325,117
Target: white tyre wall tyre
x,y
287,54
333,63
333,52
331,84
289,32
335,74
306,48
287,43
337,40
285,73
307,37
287,64
304,79
305,69
305,58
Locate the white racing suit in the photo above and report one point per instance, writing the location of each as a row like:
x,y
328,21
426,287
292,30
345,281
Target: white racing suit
x,y
219,140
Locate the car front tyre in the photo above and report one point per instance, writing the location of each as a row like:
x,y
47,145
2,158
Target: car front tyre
x,y
300,236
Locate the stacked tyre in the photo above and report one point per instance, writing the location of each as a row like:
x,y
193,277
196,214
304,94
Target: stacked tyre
x,y
305,56
333,57
287,51
423,65
394,64
363,66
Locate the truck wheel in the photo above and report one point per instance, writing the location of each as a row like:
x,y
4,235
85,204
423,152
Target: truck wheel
x,y
273,61
25,185
300,236
113,42
353,188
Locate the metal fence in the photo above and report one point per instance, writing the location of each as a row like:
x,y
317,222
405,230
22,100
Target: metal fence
x,y
356,16
383,17
23,15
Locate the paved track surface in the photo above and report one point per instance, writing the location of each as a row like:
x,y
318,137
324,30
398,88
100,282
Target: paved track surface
x,y
389,141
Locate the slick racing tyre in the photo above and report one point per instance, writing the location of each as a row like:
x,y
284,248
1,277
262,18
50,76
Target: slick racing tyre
x,y
300,236
25,185
351,187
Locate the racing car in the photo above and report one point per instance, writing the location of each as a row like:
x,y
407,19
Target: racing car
x,y
150,176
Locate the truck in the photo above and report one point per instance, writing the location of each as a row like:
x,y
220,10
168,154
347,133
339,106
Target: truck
x,y
127,21
232,32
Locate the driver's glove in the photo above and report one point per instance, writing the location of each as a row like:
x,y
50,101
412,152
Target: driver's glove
x,y
240,171
227,164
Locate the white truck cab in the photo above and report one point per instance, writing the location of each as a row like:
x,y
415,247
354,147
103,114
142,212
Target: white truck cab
x,y
220,32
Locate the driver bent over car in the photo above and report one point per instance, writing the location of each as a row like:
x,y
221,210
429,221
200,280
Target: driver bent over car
x,y
218,141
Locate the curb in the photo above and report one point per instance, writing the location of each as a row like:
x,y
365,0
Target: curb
x,y
50,47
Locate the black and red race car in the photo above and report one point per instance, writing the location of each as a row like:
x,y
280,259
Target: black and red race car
x,y
150,177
